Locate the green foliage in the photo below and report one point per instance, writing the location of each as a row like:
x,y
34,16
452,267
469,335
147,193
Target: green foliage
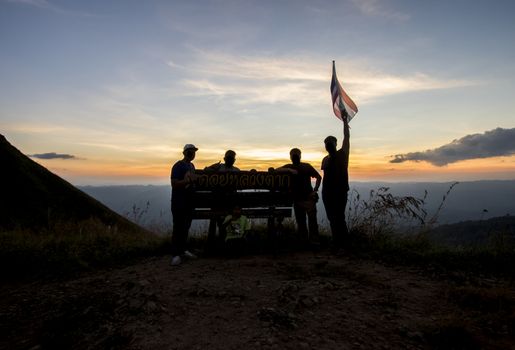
x,y
379,228
434,218
136,214
417,249
68,247
382,211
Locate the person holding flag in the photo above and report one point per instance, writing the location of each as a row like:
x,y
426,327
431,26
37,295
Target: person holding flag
x,y
335,185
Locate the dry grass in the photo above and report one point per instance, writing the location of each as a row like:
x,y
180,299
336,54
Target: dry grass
x,y
68,247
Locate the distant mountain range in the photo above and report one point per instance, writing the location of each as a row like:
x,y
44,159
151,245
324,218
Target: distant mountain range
x,y
148,205
495,231
475,200
33,198
469,200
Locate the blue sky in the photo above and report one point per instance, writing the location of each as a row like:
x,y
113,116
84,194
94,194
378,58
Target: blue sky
x,y
123,85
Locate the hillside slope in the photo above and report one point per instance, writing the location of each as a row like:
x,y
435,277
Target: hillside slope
x,y
33,197
475,232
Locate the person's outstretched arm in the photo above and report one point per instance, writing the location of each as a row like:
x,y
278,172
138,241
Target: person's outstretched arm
x,y
214,166
286,169
346,135
346,139
188,180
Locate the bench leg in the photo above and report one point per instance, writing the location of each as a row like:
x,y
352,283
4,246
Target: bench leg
x,y
211,236
272,235
280,224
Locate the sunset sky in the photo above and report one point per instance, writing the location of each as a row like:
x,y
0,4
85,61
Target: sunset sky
x,y
108,92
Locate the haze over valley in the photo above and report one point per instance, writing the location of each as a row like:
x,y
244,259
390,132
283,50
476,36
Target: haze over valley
x,y
475,200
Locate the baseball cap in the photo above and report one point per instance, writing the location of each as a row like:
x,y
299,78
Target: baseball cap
x,y
190,146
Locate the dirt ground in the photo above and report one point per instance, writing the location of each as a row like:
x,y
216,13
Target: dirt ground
x,y
292,301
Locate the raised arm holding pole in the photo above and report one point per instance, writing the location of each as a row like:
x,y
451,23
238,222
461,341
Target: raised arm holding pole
x,y
335,166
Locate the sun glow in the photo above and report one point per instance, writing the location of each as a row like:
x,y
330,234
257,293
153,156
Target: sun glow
x,y
361,168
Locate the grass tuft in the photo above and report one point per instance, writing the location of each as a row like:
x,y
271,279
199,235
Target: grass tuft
x,y
69,247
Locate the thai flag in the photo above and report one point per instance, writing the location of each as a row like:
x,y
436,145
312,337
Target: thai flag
x,y
343,106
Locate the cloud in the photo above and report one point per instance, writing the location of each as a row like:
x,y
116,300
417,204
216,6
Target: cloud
x,y
493,143
46,5
299,81
52,155
375,8
35,3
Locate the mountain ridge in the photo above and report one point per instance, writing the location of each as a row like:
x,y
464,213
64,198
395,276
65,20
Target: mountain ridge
x,y
35,198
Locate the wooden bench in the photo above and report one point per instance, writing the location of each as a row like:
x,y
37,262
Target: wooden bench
x,y
259,194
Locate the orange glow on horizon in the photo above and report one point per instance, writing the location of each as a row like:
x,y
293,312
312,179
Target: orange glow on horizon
x,y
360,169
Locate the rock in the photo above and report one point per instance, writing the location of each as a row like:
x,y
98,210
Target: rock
x,y
415,335
135,304
151,306
306,302
303,345
143,282
321,264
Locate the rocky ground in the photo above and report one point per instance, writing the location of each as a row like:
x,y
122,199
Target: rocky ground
x,y
293,301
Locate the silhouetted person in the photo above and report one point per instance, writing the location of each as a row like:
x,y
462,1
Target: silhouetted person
x,y
182,178
305,197
226,166
336,185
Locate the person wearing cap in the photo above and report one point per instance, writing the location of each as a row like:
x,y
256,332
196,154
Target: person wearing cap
x,y
305,197
182,178
336,185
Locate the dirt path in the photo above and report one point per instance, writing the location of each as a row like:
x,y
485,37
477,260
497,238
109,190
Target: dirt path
x,y
298,301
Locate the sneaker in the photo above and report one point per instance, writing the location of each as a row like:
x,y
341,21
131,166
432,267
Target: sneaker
x,y
189,254
176,260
